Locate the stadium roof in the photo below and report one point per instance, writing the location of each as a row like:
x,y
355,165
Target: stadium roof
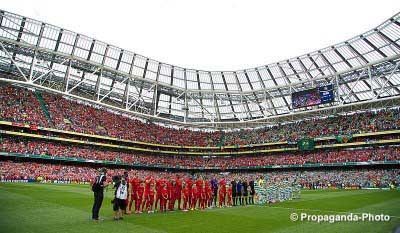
x,y
363,70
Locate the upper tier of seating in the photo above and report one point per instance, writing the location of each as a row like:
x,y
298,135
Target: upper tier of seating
x,y
22,105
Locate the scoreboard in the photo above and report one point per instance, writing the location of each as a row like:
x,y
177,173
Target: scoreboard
x,y
311,97
326,94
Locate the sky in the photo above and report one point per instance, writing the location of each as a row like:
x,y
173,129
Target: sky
x,y
215,35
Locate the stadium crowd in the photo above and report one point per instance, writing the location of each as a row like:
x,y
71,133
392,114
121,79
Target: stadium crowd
x,y
86,119
19,105
41,147
149,191
22,105
10,170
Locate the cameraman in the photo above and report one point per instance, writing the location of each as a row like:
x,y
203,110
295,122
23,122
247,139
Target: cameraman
x,y
98,186
120,197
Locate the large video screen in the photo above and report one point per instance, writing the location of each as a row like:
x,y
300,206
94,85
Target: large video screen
x,y
311,97
326,94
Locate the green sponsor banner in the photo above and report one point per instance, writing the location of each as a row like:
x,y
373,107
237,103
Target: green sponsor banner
x,y
306,144
344,138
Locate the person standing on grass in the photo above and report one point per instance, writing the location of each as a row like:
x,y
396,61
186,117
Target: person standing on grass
x,y
194,195
171,195
164,198
252,191
134,184
178,191
233,186
229,195
120,197
222,192
239,190
139,197
185,196
214,186
150,195
245,192
98,186
209,194
129,198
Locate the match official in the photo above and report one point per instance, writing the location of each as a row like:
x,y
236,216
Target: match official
x,y
98,186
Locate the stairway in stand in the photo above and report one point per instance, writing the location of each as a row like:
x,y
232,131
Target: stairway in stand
x,y
43,105
221,142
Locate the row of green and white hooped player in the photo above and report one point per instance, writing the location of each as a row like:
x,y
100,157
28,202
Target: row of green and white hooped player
x,y
277,192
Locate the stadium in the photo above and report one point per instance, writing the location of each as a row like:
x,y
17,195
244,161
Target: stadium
x,y
96,138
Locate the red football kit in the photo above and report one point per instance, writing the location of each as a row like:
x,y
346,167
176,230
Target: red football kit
x,y
222,192
164,198
139,198
149,195
171,195
159,184
203,199
194,196
134,184
186,194
229,196
209,194
178,191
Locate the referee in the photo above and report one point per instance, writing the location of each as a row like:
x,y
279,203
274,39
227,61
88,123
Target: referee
x,y
214,186
98,191
252,191
233,184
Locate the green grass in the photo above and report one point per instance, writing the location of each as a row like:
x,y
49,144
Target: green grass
x,y
66,208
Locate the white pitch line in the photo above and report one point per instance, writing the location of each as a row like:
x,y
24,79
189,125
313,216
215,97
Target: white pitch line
x,y
332,211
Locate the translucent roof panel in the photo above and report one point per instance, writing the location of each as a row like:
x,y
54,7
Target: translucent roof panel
x,y
363,68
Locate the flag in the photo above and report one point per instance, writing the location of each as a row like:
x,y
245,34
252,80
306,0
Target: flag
x,y
33,127
67,121
18,124
99,127
344,138
306,144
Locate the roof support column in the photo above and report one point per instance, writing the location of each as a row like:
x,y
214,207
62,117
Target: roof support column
x,y
156,96
186,106
214,99
100,76
265,92
128,83
201,97
241,97
32,66
171,83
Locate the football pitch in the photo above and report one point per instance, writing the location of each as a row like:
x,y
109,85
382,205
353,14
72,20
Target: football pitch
x,y
66,208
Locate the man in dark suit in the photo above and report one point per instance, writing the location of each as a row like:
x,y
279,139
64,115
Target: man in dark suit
x,y
98,186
